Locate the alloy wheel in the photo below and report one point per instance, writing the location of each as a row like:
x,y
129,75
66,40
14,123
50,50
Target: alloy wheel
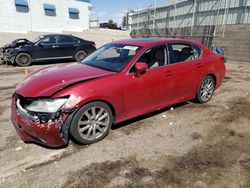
x,y
94,123
207,89
80,55
23,59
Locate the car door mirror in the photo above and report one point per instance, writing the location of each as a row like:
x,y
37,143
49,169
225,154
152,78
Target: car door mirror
x,y
140,68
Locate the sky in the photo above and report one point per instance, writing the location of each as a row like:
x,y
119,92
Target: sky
x,y
116,9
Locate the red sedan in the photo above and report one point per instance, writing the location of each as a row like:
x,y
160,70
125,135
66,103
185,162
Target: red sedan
x,y
119,81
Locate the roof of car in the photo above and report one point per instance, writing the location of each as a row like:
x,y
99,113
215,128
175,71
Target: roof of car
x,y
68,35
153,41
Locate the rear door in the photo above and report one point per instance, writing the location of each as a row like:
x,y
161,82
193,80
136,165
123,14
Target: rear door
x,y
186,69
68,46
47,48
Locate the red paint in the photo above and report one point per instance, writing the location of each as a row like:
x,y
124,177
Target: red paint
x,y
129,94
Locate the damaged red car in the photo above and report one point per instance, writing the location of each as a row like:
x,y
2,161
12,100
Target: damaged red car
x,y
119,81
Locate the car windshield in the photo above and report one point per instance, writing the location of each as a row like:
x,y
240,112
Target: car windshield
x,y
112,57
38,38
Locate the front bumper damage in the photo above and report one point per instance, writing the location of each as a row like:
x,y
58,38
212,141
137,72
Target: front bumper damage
x,y
8,58
50,130
1,54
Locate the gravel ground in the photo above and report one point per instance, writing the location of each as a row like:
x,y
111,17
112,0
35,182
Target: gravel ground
x,y
188,145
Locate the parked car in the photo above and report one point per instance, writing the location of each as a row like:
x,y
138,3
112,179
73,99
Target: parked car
x,y
14,44
49,47
109,26
119,81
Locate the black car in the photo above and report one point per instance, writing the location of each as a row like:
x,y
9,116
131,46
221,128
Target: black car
x,y
49,47
109,26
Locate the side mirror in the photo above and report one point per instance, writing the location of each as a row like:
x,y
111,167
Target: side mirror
x,y
140,68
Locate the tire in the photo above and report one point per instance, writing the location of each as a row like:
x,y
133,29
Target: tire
x,y
91,123
23,59
205,90
80,55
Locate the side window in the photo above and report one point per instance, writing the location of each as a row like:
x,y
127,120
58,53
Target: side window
x,y
154,57
49,40
65,39
197,52
76,40
181,52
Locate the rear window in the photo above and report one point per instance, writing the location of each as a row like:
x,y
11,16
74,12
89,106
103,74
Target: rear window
x,y
183,52
65,39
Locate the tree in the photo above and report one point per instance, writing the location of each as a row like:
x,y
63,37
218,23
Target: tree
x,y
125,21
111,21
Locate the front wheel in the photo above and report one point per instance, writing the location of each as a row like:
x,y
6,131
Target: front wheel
x,y
23,60
91,123
205,90
80,55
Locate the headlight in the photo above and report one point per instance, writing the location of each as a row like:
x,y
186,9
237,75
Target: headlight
x,y
46,105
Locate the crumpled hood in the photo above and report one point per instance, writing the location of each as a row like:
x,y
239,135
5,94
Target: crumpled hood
x,y
46,82
17,43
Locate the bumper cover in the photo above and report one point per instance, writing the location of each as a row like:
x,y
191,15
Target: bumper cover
x,y
8,57
52,134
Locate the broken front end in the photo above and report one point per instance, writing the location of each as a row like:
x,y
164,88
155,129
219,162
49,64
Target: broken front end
x,y
41,120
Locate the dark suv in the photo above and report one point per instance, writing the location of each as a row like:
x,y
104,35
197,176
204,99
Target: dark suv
x,y
49,47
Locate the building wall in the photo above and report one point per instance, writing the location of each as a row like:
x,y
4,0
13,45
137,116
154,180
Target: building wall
x,y
35,19
236,39
186,13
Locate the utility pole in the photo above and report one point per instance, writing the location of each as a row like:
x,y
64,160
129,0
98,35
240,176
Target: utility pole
x,y
194,9
30,16
154,18
137,32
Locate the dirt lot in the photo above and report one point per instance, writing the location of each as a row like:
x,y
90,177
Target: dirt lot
x,y
189,145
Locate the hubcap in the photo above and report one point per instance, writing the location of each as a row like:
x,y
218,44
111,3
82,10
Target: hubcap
x,y
207,89
94,123
81,56
23,59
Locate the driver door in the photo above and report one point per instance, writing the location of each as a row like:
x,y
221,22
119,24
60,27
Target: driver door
x,y
47,48
147,92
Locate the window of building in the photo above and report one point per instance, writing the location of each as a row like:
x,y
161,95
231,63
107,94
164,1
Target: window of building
x,y
74,13
49,9
22,6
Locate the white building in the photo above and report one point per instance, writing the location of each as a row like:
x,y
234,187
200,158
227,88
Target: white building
x,y
22,16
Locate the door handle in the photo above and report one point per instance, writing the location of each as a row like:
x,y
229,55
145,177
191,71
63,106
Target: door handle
x,y
55,46
168,74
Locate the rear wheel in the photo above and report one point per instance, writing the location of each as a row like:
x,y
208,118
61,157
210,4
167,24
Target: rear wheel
x,y
205,90
23,60
80,55
91,123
